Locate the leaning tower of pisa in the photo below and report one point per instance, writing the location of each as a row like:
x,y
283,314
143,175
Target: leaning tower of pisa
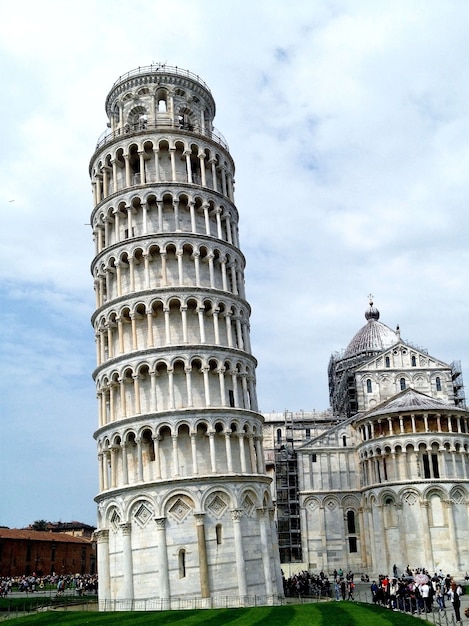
x,y
184,505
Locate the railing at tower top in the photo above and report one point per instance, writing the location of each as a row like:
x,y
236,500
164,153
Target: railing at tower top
x,y
107,136
163,69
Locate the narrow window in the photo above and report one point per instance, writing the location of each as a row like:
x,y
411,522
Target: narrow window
x,y
218,533
387,361
231,397
279,435
436,471
368,386
413,361
308,433
344,441
351,522
438,383
314,458
426,465
352,544
402,383
182,563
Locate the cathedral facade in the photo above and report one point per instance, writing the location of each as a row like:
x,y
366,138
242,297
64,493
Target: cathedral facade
x,y
184,504
383,477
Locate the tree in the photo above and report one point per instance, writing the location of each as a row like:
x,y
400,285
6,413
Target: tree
x,y
40,524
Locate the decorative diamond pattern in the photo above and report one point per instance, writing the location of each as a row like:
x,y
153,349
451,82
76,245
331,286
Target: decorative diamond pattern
x,y
179,510
143,514
115,520
217,506
248,504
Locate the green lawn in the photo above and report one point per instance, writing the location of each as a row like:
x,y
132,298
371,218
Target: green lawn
x,y
318,614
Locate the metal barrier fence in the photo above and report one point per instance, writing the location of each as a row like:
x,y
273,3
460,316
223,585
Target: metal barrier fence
x,y
177,604
445,617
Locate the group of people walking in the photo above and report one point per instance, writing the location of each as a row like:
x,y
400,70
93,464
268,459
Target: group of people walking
x,y
417,591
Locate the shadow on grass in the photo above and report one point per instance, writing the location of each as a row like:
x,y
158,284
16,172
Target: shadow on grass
x,y
318,614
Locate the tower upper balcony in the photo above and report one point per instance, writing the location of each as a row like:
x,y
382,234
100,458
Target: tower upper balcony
x,y
157,97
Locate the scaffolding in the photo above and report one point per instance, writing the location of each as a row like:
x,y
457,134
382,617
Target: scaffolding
x,y
458,384
288,503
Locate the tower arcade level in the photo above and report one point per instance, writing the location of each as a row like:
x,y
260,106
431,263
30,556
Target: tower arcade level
x,y
184,505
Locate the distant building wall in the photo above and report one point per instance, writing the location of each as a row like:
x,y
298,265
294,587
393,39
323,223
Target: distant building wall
x,y
24,552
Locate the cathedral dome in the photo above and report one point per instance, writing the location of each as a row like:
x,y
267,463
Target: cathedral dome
x,y
373,337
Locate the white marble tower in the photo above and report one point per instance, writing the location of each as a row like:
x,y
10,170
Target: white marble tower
x,y
184,505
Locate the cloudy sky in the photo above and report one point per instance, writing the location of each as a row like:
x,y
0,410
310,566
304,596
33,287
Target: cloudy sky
x,y
349,125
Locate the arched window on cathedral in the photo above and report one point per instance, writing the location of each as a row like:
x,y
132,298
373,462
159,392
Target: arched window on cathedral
x,y
402,384
182,563
413,361
279,435
438,383
218,533
387,362
344,440
368,386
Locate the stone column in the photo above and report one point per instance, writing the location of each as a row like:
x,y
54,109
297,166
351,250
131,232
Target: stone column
x,y
242,455
201,156
142,167
163,586
125,469
266,550
236,515
202,549
113,467
401,526
322,534
101,469
102,544
175,455
229,456
188,372
214,174
425,533
275,551
156,445
221,379
195,466
213,456
187,154
452,540
173,164
127,561
138,441
362,526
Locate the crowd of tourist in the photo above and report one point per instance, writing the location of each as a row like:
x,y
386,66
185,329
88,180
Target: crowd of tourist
x,y
71,583
418,591
413,591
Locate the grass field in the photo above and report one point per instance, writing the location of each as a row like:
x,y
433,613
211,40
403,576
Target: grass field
x,y
319,614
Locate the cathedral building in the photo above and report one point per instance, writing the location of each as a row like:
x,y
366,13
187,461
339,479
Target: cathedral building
x,y
381,479
185,508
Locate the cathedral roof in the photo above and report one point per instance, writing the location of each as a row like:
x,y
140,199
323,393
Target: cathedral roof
x,y
411,400
373,337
